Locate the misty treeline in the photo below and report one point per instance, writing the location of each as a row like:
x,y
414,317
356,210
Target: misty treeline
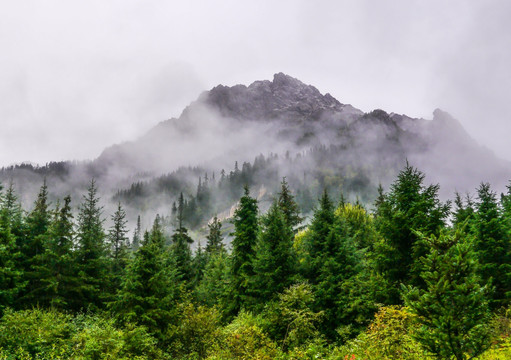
x,y
415,277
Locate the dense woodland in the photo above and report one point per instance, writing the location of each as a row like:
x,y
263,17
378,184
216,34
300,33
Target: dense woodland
x,y
412,278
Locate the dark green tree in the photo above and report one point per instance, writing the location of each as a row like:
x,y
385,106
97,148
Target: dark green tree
x,y
214,237
275,260
492,245
243,250
91,250
180,248
57,268
288,206
137,233
37,223
149,289
409,206
119,246
453,308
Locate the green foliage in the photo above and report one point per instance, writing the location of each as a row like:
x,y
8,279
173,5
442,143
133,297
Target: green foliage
x,y
408,207
214,237
275,261
492,244
243,250
118,245
91,252
452,310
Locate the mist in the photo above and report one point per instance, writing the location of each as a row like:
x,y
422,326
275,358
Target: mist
x,y
78,78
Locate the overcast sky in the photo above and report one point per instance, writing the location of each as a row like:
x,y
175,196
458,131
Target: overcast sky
x,y
77,76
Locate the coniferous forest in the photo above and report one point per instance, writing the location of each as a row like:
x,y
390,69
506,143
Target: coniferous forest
x,y
405,277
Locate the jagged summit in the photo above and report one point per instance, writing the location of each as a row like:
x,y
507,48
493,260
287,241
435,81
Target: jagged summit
x,y
284,97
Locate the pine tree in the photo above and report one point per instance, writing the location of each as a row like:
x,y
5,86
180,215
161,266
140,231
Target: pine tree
x,y
288,206
275,261
243,249
320,228
408,207
135,243
119,245
57,270
91,251
492,245
148,290
38,221
214,237
180,248
453,307
11,274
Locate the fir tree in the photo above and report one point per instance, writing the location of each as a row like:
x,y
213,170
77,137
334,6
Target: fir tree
x,y
243,249
148,290
214,237
453,307
119,245
135,243
91,251
180,248
408,207
57,270
275,262
288,206
492,244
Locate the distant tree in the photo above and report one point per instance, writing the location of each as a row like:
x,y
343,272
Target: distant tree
x,y
214,237
137,233
289,207
180,248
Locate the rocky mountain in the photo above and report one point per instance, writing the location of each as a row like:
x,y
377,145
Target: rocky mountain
x,y
311,138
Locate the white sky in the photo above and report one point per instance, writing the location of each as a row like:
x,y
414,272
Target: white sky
x,y
78,76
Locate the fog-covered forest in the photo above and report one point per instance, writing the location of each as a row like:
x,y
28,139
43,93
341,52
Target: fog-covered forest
x,y
407,277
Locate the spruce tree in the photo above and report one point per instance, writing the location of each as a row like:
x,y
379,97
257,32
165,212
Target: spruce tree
x,y
492,244
243,249
37,223
289,207
148,290
91,250
57,268
180,248
453,307
275,261
119,245
409,206
135,243
214,237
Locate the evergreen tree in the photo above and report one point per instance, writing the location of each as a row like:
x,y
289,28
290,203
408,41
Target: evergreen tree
x,y
464,211
135,243
180,248
243,249
275,262
199,262
288,206
408,207
11,274
214,237
319,230
453,307
492,244
57,270
11,214
119,245
148,290
91,250
38,221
